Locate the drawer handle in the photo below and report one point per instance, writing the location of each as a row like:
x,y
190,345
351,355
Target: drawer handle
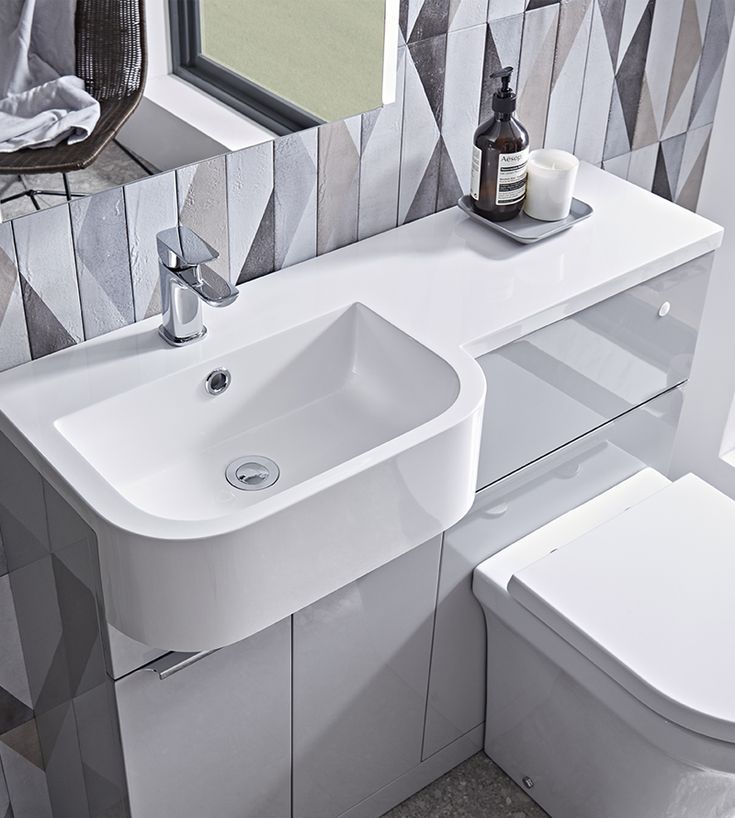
x,y
496,511
664,309
170,664
568,470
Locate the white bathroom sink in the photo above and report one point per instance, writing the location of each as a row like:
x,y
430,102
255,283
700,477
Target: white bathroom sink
x,y
356,443
309,399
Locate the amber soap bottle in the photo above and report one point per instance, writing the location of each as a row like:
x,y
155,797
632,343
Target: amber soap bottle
x,y
500,157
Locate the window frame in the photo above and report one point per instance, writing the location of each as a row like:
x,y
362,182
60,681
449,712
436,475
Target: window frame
x,y
257,103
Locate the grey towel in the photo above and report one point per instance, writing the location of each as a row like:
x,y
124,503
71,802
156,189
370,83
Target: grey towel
x,y
42,103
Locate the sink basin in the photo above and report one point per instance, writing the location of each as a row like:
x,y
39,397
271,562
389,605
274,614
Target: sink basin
x,y
354,444
309,399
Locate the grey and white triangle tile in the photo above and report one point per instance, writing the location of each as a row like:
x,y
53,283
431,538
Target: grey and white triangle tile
x,y
450,188
100,749
57,734
250,211
14,347
22,509
629,78
5,808
426,18
261,257
47,267
497,9
150,207
618,165
696,144
703,12
25,777
661,184
41,635
404,12
466,13
380,161
567,82
693,164
531,5
673,152
599,82
14,686
643,166
428,57
658,71
646,129
685,69
460,110
617,141
201,191
295,197
13,712
74,575
427,194
502,48
611,15
103,262
634,11
540,28
712,63
424,94
339,181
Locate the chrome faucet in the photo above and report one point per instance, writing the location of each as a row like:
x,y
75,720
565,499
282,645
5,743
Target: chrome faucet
x,y
186,281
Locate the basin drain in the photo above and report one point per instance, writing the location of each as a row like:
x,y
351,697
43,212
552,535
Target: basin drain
x,y
252,473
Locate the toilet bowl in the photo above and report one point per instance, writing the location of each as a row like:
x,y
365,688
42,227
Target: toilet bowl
x,y
611,654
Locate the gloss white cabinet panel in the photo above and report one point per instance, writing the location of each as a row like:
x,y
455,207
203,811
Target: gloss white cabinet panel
x,y
215,738
526,416
566,379
360,671
502,514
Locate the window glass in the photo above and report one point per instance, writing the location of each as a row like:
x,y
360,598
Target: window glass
x,y
324,56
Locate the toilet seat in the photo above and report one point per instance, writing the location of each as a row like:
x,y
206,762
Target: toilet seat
x,y
649,597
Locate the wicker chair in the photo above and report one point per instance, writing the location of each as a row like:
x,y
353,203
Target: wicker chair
x,y
111,59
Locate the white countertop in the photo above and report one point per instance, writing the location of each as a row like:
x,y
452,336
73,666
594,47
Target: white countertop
x,y
446,281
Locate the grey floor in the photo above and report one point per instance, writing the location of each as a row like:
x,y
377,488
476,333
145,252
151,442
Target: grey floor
x,y
475,789
113,167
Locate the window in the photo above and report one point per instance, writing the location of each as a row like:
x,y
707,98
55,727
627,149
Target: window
x,y
287,64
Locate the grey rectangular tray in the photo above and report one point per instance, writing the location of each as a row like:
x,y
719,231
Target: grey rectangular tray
x,y
523,228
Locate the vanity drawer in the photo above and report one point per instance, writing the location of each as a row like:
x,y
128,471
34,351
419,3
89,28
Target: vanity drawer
x,y
214,738
502,514
566,379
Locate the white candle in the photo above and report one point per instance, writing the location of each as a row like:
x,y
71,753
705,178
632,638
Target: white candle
x,y
552,175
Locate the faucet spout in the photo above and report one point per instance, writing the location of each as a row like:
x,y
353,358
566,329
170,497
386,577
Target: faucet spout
x,y
187,281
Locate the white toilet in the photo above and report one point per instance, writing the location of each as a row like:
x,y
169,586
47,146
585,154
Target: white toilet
x,y
611,654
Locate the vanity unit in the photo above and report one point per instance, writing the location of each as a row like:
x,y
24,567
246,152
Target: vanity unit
x,y
349,669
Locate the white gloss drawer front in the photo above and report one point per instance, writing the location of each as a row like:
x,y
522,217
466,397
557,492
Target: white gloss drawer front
x,y
566,379
213,738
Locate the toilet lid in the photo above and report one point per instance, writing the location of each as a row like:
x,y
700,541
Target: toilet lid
x,y
649,597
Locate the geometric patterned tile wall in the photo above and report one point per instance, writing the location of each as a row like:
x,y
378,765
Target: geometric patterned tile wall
x,y
629,85
60,750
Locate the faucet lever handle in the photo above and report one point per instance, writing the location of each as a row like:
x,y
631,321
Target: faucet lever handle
x,y
179,248
210,286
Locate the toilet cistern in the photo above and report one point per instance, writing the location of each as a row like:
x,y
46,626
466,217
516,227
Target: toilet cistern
x,y
186,281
